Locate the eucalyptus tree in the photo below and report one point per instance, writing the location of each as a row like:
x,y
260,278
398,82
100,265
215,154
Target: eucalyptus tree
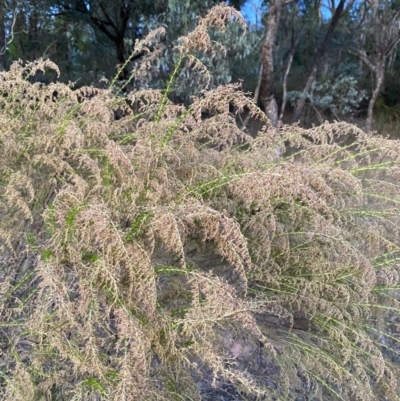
x,y
265,93
116,20
122,22
32,32
8,18
294,30
378,25
337,13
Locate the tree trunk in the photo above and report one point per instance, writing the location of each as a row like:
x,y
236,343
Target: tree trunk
x,y
379,76
112,25
2,38
317,58
286,74
120,48
384,23
266,98
33,36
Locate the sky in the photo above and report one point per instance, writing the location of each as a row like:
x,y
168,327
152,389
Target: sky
x,y
251,11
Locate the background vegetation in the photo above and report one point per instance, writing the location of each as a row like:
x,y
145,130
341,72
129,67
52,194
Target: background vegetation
x,y
154,250
322,60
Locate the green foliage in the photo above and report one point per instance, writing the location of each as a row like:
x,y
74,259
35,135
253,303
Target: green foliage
x,y
137,228
341,97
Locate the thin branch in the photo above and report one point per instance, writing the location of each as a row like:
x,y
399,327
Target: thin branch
x,y
100,24
4,49
360,54
110,21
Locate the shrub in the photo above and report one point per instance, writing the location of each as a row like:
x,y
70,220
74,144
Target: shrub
x,y
339,97
166,253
